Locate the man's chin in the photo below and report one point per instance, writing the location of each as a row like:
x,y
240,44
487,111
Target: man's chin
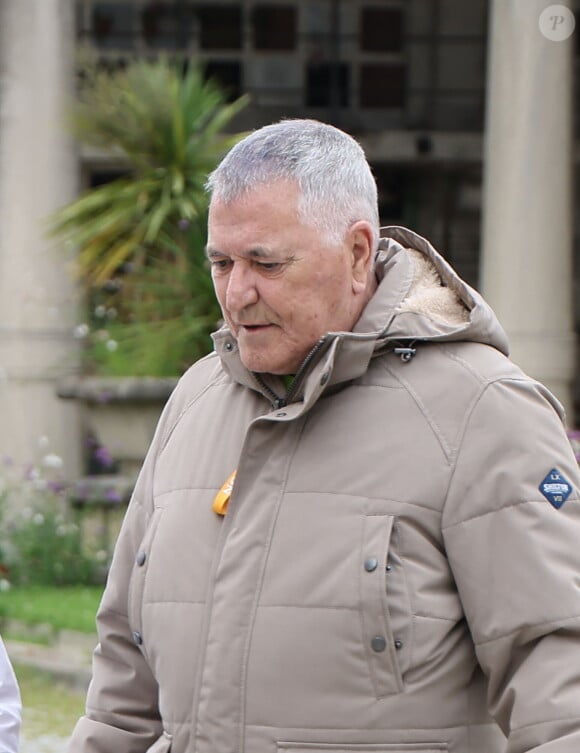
x,y
262,364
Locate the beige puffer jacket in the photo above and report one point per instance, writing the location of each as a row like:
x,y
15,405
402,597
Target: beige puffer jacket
x,y
398,563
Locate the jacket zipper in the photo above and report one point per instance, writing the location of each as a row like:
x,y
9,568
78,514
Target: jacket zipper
x,y
282,402
406,350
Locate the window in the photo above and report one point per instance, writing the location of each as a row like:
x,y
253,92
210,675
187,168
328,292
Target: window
x,y
327,85
381,30
228,75
382,85
392,190
274,27
166,26
100,177
114,25
221,27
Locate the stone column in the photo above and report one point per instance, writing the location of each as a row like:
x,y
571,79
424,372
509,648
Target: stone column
x,y
38,172
526,269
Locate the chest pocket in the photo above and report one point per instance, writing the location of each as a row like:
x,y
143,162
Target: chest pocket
x,y
385,605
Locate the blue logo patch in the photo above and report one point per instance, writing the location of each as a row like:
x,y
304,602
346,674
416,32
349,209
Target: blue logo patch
x,y
555,488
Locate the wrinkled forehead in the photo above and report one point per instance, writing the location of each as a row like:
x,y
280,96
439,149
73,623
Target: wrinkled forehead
x,y
265,204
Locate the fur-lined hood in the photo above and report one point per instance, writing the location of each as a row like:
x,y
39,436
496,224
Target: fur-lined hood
x,y
420,297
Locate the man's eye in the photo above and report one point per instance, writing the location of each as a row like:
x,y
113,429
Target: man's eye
x,y
269,266
220,264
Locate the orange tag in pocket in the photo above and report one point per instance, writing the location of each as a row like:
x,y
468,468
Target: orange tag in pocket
x,y
221,499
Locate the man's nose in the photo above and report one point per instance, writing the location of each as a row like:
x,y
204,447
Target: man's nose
x,y
241,290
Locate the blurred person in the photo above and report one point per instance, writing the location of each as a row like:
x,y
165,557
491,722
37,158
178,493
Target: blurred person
x,y
10,705
357,527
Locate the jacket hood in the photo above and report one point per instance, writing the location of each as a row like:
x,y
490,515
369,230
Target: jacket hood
x,y
419,298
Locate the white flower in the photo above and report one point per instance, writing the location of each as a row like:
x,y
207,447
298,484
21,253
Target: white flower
x,y
111,345
5,585
100,311
38,518
81,331
52,461
43,441
101,555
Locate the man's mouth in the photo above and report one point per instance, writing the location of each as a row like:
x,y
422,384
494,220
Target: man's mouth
x,y
254,327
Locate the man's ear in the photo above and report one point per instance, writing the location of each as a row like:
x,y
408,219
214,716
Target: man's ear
x,y
362,252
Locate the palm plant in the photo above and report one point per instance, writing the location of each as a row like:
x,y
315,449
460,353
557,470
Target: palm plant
x,y
140,239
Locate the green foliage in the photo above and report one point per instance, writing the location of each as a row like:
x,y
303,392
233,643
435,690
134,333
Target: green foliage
x,y
157,321
40,541
70,608
47,548
141,238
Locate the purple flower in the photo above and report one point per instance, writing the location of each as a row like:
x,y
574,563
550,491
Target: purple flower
x,y
56,486
112,495
103,457
183,224
31,473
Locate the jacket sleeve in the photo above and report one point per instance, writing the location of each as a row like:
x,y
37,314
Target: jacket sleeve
x,y
10,705
122,713
514,548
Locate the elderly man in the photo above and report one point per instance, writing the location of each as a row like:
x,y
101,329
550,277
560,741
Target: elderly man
x,y
357,526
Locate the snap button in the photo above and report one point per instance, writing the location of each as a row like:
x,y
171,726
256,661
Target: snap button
x,y
229,346
378,643
137,638
281,414
324,378
371,564
398,645
141,557
388,568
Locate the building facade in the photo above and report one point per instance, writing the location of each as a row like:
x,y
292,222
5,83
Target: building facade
x,y
463,109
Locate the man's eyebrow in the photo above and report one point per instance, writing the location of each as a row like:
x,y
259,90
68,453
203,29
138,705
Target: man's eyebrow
x,y
259,252
210,251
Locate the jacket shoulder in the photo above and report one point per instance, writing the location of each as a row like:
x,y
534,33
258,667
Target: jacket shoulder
x,y
446,380
200,378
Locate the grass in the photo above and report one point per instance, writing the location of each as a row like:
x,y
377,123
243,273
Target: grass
x,y
65,608
49,710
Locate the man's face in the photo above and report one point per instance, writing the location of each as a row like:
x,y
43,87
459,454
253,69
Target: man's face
x,y
280,283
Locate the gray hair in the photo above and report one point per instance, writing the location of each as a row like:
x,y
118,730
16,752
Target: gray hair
x,y
336,184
